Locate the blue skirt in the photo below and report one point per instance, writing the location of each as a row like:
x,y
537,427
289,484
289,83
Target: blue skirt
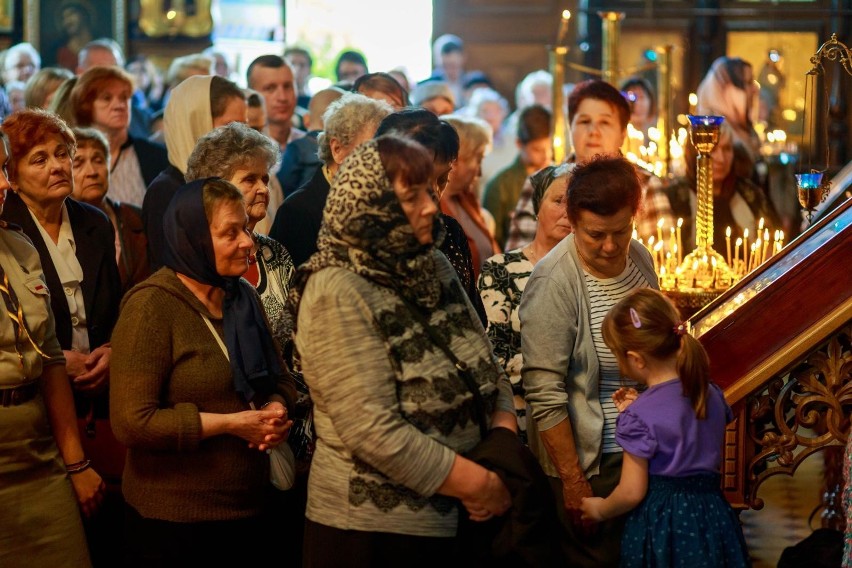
x,y
683,521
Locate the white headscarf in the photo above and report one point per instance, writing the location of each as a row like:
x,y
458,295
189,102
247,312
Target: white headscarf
x,y
188,117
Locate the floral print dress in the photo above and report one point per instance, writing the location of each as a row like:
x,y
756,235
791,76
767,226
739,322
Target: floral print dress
x,y
501,285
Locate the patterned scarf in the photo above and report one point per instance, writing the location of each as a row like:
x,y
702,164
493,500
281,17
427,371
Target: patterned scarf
x,y
365,230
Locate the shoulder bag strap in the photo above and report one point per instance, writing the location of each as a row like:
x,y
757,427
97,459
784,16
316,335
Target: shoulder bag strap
x,y
461,367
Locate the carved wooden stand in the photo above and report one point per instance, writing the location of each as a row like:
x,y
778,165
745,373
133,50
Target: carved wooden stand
x,y
794,414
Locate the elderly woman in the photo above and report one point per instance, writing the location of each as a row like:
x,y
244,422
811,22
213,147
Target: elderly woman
x,y
196,106
460,198
91,183
199,391
44,471
75,242
504,277
349,121
244,157
442,142
19,63
377,307
568,373
75,245
101,99
598,114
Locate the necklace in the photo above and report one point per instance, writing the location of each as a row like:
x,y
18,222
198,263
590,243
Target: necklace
x,y
531,254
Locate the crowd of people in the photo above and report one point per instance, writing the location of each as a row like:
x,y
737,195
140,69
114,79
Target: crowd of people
x,y
454,338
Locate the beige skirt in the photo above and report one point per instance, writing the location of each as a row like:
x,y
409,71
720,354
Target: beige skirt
x,y
40,522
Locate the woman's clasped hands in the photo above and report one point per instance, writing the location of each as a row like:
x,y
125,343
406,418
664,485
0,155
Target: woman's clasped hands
x,y
265,428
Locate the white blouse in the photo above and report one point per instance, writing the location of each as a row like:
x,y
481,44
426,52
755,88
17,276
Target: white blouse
x,y
63,254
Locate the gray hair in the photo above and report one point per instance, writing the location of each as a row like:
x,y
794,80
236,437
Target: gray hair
x,y
474,133
222,151
18,49
346,118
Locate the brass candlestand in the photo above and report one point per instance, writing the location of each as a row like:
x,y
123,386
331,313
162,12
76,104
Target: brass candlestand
x,y
557,56
703,275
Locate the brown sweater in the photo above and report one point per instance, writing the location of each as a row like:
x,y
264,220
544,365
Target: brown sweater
x,y
166,368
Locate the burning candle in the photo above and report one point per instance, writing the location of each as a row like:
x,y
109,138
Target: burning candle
x,y
737,255
672,239
765,245
679,242
728,243
658,253
563,27
745,249
660,230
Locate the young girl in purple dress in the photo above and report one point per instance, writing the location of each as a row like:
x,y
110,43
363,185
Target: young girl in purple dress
x,y
672,439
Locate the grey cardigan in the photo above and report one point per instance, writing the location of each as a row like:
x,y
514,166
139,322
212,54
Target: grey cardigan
x,y
560,372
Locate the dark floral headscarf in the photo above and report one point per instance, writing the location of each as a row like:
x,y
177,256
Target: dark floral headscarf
x,y
365,230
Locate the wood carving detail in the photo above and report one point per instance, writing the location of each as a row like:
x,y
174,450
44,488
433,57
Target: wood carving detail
x,y
800,413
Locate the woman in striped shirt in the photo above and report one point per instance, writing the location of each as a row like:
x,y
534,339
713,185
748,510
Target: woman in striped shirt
x,y
568,373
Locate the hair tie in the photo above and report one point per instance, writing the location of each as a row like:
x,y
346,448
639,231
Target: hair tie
x,y
634,317
680,328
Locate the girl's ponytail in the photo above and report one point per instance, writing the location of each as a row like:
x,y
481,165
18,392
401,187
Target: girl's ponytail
x,y
693,366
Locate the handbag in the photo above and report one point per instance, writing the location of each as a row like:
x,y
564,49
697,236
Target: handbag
x,y
282,462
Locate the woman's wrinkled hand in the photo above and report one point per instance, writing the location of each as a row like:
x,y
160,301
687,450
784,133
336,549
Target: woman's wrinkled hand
x,y
96,376
574,489
624,397
262,429
90,489
493,499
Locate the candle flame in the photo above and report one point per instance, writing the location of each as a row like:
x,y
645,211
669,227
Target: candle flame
x,y
566,14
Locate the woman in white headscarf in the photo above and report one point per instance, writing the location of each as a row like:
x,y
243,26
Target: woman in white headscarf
x,y
196,106
729,90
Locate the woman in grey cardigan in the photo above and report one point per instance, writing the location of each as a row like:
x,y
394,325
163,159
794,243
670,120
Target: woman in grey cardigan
x,y
393,415
569,374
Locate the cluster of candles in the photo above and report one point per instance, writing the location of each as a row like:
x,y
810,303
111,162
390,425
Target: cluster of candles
x,y
755,254
647,156
708,271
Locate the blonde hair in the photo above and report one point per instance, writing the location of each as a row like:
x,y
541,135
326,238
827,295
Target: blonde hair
x,y
648,323
474,133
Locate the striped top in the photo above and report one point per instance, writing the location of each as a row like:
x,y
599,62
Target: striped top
x,y
604,293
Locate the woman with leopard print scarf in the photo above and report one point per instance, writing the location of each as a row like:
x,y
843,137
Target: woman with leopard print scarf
x,y
393,415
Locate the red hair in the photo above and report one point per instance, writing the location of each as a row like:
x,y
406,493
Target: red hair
x,y
30,127
89,85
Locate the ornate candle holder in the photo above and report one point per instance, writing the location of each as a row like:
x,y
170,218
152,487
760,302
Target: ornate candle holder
x,y
703,274
812,191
